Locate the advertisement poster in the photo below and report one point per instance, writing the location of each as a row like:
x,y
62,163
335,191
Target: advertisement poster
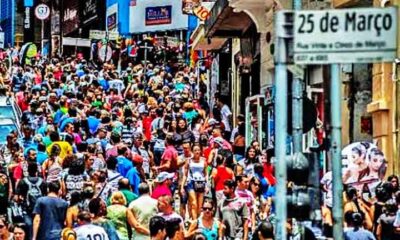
x,y
364,166
112,17
158,15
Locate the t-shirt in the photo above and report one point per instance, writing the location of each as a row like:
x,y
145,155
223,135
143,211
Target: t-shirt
x,y
225,112
161,190
232,213
52,211
144,208
358,234
124,165
170,154
90,232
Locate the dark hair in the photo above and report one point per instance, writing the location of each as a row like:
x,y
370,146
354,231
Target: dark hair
x,y
230,183
53,186
76,197
41,147
122,150
77,167
391,207
54,136
144,188
265,229
228,156
173,226
156,225
253,181
84,216
112,163
94,206
32,169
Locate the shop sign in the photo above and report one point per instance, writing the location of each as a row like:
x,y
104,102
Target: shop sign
x,y
89,11
27,20
98,34
158,15
361,35
201,12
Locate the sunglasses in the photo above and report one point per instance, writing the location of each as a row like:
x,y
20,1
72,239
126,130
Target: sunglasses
x,y
207,209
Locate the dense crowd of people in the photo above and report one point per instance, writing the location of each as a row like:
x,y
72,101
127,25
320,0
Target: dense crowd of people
x,y
140,154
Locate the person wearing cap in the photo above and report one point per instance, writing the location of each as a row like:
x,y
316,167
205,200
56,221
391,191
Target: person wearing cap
x,y
164,182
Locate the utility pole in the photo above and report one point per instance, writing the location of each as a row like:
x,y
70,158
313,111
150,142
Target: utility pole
x,y
336,149
297,103
282,25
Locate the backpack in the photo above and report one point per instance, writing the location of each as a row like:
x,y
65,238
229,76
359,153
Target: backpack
x,y
34,192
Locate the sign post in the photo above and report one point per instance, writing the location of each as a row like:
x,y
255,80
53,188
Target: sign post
x,y
326,37
42,12
362,35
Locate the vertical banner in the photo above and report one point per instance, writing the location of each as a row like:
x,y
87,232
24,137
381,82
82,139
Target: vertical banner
x,y
112,17
28,25
89,11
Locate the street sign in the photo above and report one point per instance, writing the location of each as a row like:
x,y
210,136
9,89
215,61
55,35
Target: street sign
x,y
42,11
354,35
98,34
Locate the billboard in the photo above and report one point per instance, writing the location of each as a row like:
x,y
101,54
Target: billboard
x,y
156,15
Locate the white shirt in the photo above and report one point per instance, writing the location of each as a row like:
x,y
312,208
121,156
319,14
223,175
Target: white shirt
x,y
225,117
90,232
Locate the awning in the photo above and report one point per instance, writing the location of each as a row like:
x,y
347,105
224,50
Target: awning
x,y
231,18
201,42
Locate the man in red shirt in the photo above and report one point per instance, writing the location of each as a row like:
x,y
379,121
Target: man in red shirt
x,y
169,159
147,120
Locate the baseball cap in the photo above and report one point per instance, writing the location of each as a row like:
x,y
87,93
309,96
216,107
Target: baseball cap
x,y
162,176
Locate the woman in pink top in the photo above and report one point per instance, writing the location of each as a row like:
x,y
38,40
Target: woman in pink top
x,y
163,180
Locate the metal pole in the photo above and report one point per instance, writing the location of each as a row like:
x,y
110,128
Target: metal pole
x,y
281,87
42,36
250,83
145,58
336,152
297,103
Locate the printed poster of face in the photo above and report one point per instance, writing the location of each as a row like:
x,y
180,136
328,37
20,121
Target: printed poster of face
x,y
364,166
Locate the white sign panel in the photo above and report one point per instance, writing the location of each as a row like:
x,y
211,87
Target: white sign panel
x,y
98,34
1,39
42,11
345,36
156,15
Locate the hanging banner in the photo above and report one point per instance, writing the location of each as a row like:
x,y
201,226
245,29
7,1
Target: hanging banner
x,y
158,15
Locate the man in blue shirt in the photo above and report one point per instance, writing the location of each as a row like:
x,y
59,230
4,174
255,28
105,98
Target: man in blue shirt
x,y
124,164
